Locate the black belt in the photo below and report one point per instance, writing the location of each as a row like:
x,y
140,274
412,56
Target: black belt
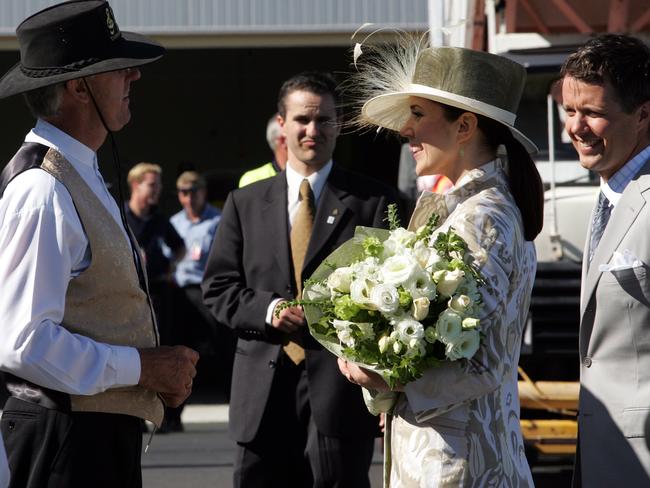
x,y
38,395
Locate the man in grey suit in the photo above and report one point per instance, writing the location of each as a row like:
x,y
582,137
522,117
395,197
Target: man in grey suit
x,y
606,94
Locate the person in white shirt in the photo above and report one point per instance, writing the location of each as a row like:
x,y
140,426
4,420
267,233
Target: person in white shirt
x,y
79,340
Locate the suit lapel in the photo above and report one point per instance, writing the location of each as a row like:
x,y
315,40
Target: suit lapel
x,y
620,222
274,218
330,214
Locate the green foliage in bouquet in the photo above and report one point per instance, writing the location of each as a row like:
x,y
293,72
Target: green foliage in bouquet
x,y
396,302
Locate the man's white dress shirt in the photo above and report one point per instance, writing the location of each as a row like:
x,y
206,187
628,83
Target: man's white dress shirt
x,y
42,247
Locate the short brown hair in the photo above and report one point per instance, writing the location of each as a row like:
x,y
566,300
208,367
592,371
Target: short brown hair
x,y
139,170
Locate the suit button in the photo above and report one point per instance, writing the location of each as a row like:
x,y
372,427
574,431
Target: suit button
x,y
586,362
272,364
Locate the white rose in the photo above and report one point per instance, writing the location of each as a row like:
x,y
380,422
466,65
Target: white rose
x,y
385,298
409,329
470,323
340,279
420,308
465,346
449,326
449,281
399,269
460,303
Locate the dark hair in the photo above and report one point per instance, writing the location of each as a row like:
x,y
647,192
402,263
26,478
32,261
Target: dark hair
x,y
316,82
524,180
621,60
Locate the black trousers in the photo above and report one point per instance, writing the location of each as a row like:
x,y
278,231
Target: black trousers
x,y
53,449
290,452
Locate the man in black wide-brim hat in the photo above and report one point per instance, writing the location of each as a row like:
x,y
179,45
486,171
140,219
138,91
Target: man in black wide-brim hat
x,y
79,340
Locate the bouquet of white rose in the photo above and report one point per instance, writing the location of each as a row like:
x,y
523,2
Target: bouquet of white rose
x,y
397,302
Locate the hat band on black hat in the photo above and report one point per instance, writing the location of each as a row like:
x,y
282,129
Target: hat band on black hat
x,y
57,70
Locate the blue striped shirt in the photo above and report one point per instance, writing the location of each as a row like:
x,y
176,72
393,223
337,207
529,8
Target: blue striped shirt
x,y
614,187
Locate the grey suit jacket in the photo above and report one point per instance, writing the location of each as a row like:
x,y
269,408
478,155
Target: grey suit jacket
x,y
615,349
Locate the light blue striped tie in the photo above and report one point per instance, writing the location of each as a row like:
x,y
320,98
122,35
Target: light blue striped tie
x,y
601,217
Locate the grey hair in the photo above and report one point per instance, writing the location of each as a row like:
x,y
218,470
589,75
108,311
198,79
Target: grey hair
x,y
273,131
46,101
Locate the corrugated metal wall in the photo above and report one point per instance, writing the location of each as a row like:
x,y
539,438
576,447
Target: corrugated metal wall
x,y
242,16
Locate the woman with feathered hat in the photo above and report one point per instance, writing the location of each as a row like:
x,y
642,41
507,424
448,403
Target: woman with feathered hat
x,y
458,425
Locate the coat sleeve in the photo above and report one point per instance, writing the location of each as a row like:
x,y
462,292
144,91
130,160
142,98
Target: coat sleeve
x,y
225,291
494,236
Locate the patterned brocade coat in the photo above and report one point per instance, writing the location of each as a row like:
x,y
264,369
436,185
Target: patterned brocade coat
x,y
458,425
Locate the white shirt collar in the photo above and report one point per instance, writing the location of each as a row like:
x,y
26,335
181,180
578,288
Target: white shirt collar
x,y
316,181
50,136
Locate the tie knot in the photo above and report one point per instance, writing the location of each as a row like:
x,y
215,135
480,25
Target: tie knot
x,y
305,190
603,202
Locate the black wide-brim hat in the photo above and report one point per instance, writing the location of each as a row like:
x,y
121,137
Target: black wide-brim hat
x,y
73,40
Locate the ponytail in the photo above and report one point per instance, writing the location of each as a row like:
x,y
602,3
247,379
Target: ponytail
x,y
525,183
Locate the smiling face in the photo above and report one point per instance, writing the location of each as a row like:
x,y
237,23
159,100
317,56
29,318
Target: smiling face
x,y
432,139
603,134
148,189
111,91
310,127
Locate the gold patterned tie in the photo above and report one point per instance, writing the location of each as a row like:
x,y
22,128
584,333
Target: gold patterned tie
x,y
301,228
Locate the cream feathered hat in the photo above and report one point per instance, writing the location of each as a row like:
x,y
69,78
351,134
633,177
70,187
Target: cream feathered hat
x,y
475,81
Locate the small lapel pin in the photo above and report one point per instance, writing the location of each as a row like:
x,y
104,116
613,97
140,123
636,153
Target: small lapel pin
x,y
331,219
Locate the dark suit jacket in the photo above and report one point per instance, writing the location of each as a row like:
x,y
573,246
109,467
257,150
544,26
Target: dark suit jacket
x,y
250,265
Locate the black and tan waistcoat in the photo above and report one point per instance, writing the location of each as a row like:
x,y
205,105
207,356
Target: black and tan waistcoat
x,y
105,302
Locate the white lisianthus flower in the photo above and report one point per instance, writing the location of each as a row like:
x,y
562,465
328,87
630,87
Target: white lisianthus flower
x,y
449,281
460,303
470,323
318,291
465,346
385,298
340,279
421,285
399,269
430,334
420,308
344,331
397,347
360,291
384,343
402,237
449,326
408,329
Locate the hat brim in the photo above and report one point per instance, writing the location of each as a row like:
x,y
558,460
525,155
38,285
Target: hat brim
x,y
134,50
392,110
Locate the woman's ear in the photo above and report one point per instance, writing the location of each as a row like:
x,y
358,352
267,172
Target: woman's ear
x,y
467,124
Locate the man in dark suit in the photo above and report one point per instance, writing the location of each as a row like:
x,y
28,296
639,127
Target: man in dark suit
x,y
297,421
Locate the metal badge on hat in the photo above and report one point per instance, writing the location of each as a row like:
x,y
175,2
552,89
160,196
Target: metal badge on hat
x,y
113,29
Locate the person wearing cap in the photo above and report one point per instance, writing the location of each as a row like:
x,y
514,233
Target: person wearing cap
x,y
458,425
197,223
606,97
79,337
278,146
296,421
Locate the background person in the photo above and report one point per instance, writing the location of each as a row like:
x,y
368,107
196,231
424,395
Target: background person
x,y
296,421
463,411
156,237
78,332
278,145
606,96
